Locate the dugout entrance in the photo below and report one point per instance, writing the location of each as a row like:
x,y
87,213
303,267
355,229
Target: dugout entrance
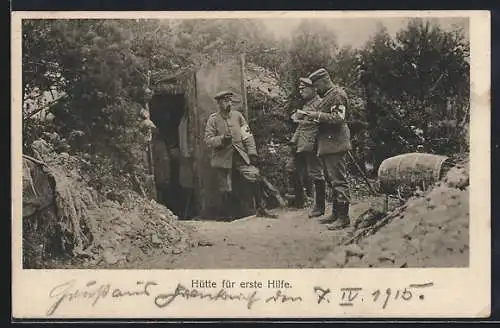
x,y
186,183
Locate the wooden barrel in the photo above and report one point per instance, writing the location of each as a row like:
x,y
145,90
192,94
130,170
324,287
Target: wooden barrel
x,y
410,169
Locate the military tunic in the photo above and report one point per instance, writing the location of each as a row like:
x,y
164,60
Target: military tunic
x,y
334,135
334,140
305,135
235,154
306,143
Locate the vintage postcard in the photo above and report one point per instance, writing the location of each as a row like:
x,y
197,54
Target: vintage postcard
x,y
251,164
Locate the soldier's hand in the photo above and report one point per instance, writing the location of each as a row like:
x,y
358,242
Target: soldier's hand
x,y
299,114
226,138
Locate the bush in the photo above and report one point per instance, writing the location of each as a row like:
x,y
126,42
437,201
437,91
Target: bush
x,y
413,84
272,129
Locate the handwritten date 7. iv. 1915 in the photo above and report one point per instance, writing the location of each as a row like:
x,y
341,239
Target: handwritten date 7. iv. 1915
x,y
350,296
93,293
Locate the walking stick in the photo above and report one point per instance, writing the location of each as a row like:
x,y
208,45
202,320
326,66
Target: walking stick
x,y
365,178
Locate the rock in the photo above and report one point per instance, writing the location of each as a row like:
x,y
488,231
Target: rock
x,y
368,218
109,256
42,147
115,196
337,259
384,259
37,190
155,240
135,254
64,156
457,178
389,255
354,250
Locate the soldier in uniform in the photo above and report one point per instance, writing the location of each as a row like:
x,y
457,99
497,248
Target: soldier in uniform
x,y
233,148
334,141
304,139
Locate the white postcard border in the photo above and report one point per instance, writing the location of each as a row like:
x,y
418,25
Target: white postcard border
x,y
462,292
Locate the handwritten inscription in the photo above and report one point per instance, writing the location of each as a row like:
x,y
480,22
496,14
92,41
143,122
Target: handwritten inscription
x,y
165,299
92,291
322,294
249,293
283,298
349,296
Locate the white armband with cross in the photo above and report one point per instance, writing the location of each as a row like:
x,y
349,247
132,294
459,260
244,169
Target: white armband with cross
x,y
338,111
245,132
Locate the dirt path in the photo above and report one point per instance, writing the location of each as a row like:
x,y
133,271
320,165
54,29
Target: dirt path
x,y
290,241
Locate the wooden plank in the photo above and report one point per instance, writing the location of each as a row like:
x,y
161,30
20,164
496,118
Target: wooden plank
x,y
244,103
197,144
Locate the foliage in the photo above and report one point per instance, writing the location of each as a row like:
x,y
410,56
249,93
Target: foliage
x,y
413,82
271,129
94,64
411,89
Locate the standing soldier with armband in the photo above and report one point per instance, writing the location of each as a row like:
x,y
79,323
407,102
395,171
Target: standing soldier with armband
x,y
233,148
304,139
334,141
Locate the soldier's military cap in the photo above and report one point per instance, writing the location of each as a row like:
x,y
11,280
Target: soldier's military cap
x,y
305,81
319,74
223,94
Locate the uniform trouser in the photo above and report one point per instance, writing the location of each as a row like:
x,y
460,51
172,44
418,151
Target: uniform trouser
x,y
335,169
314,168
296,168
301,170
248,172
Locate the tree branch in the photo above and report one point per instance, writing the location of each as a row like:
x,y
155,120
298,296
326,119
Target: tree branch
x,y
465,118
38,110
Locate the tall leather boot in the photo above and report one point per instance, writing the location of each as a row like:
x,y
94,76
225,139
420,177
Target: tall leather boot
x,y
333,214
226,206
307,187
260,203
319,200
299,201
343,217
290,180
295,191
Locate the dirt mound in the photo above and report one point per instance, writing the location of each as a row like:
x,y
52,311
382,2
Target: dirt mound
x,y
134,230
66,222
55,217
429,230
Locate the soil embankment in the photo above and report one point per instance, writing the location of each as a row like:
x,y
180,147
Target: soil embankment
x,y
430,230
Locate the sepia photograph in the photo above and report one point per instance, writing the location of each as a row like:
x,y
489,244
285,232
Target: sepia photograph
x,y
246,142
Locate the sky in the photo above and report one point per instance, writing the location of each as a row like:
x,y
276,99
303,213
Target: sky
x,y
356,31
